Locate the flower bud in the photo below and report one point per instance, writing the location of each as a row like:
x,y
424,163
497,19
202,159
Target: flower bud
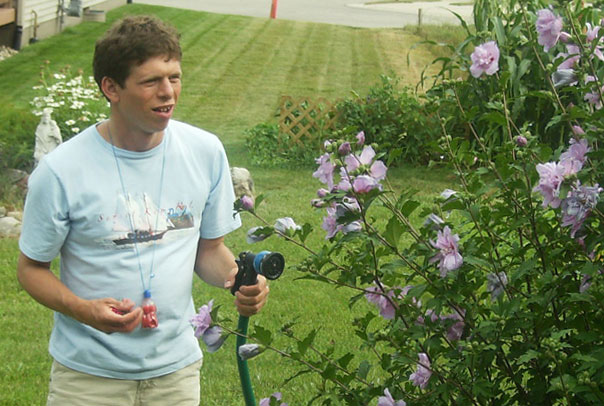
x,y
521,141
247,202
344,149
249,351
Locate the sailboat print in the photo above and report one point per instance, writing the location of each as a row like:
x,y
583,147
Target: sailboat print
x,y
142,217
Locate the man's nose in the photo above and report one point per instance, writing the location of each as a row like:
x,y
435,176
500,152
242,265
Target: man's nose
x,y
166,89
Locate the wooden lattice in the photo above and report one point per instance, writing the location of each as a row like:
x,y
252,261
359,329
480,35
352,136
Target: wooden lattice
x,y
306,120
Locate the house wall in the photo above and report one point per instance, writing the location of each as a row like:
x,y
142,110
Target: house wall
x,y
50,20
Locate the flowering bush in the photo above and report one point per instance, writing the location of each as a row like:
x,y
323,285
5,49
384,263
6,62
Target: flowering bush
x,y
76,102
498,297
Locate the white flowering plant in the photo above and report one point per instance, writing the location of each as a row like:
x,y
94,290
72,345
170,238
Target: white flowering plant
x,y
498,298
75,100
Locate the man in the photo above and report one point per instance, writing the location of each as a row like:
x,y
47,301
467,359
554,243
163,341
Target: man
x,y
133,205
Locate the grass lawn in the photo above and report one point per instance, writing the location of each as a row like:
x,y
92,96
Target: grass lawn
x,y
235,70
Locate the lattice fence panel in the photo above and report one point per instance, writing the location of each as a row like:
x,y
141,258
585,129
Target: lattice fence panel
x,y
306,120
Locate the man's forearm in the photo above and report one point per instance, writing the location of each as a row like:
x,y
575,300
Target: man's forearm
x,y
37,280
215,262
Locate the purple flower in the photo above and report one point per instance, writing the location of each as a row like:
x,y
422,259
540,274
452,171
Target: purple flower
x,y
202,320
593,97
365,184
496,284
360,138
564,77
387,310
344,149
325,171
591,35
455,331
388,400
248,351
317,203
322,193
447,193
585,283
247,202
423,373
286,226
353,227
551,175
571,57
330,223
521,141
549,27
267,401
573,159
255,234
578,130
378,170
213,338
345,179
577,206
485,59
365,158
434,221
449,256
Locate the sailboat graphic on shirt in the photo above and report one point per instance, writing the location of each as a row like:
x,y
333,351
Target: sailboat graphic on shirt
x,y
140,220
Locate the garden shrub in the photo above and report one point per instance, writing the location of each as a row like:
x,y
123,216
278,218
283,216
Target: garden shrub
x,y
498,297
267,146
394,118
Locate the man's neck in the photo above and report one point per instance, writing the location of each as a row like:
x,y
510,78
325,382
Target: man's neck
x,y
121,137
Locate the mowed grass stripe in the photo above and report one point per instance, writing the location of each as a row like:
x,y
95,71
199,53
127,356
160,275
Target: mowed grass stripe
x,y
223,78
261,63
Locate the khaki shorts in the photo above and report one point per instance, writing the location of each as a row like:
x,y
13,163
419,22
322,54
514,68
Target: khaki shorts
x,y
72,388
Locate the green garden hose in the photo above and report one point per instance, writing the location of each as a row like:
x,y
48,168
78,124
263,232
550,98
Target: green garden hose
x,y
244,373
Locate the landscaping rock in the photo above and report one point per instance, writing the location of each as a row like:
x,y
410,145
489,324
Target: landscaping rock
x,y
2,211
6,52
17,215
9,227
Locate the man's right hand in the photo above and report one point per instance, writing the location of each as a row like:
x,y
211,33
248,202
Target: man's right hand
x,y
37,279
110,315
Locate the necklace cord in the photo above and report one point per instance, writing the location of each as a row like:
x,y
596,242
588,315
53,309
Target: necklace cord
x,y
130,215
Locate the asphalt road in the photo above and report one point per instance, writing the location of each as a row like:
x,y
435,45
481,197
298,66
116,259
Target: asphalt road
x,y
342,12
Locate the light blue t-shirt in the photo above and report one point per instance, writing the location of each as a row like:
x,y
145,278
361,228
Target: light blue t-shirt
x,y
76,207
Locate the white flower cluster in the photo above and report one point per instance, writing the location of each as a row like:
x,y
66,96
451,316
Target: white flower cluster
x,y
75,101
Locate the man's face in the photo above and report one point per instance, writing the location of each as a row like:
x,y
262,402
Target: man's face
x,y
147,100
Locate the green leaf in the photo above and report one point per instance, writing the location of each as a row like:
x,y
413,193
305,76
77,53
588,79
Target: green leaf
x,y
409,207
394,230
263,335
528,356
345,360
499,31
363,370
307,342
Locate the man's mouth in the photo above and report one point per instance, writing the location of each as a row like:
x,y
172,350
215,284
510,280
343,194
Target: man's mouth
x,y
163,109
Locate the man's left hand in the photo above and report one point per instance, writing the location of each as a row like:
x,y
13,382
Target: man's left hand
x,y
249,299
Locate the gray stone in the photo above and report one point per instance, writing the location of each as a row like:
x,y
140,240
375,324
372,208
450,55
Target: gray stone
x,y
2,211
9,227
242,182
17,215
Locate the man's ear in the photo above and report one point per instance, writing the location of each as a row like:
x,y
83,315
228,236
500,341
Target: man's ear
x,y
110,89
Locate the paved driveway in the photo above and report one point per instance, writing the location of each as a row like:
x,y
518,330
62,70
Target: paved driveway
x,y
343,12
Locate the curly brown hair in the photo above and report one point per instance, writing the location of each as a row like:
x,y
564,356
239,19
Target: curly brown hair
x,y
132,41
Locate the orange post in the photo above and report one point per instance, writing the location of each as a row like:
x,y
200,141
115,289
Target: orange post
x,y
274,9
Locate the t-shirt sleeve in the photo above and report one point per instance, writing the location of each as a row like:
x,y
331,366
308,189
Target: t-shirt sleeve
x,y
218,216
45,217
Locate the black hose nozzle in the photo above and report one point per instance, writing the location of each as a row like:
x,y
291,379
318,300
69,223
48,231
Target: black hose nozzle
x,y
266,263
